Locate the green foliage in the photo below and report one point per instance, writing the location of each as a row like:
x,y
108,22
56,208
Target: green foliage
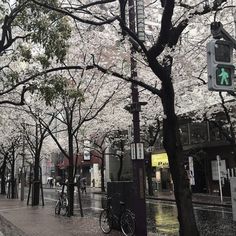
x,y
44,61
74,93
25,53
52,89
12,78
32,87
56,88
47,28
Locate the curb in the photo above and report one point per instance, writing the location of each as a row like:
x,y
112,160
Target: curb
x,y
229,205
194,202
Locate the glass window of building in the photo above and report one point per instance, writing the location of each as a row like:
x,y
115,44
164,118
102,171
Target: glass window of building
x,y
215,133
198,133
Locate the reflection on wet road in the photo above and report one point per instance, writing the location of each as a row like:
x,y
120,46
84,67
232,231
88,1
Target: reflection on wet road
x,y
162,216
211,220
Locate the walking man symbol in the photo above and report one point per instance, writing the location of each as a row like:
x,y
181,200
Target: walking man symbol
x,y
224,77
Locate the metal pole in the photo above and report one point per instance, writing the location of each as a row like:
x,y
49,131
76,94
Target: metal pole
x,y
138,165
140,19
219,176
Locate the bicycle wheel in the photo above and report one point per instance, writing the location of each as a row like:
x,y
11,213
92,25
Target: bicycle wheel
x,y
58,208
64,206
105,221
127,223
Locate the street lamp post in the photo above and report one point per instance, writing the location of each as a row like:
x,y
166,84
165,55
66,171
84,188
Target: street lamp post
x,y
138,164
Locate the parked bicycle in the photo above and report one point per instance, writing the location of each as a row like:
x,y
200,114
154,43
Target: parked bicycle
x,y
62,205
125,219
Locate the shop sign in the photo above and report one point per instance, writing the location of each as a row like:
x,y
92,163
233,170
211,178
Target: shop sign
x,y
160,160
86,150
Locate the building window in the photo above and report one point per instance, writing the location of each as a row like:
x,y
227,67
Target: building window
x,y
198,133
215,134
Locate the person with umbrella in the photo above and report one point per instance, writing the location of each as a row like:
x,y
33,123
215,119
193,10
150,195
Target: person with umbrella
x,y
83,185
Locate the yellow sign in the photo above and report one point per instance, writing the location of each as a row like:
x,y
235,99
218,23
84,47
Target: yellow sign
x,y
160,160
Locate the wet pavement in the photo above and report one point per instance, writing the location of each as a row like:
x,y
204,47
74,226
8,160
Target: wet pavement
x,y
216,222
211,221
40,221
213,217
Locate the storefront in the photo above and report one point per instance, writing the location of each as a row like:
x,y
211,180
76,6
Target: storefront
x,y
163,176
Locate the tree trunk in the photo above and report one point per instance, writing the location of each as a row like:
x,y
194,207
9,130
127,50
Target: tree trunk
x,y
120,157
13,192
120,168
149,174
70,186
173,147
102,174
3,179
36,182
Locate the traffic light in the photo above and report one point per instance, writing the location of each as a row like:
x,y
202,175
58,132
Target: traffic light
x,y
220,66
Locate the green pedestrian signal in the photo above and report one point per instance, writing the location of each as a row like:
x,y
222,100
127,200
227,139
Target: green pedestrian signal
x,y
220,66
223,76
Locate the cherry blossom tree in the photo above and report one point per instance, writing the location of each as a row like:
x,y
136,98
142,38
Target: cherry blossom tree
x,y
10,150
174,29
35,135
76,98
176,18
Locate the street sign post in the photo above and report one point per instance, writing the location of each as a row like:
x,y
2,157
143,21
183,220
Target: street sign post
x,y
233,196
191,171
219,174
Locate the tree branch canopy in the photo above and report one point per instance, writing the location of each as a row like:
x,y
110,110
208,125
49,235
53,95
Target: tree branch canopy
x,y
128,79
67,13
166,26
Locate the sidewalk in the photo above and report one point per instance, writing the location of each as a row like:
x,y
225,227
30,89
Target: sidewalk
x,y
18,219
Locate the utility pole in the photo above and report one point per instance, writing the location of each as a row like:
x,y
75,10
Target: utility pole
x,y
138,164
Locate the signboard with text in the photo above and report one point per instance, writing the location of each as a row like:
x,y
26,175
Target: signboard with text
x,y
214,169
86,150
137,151
160,160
